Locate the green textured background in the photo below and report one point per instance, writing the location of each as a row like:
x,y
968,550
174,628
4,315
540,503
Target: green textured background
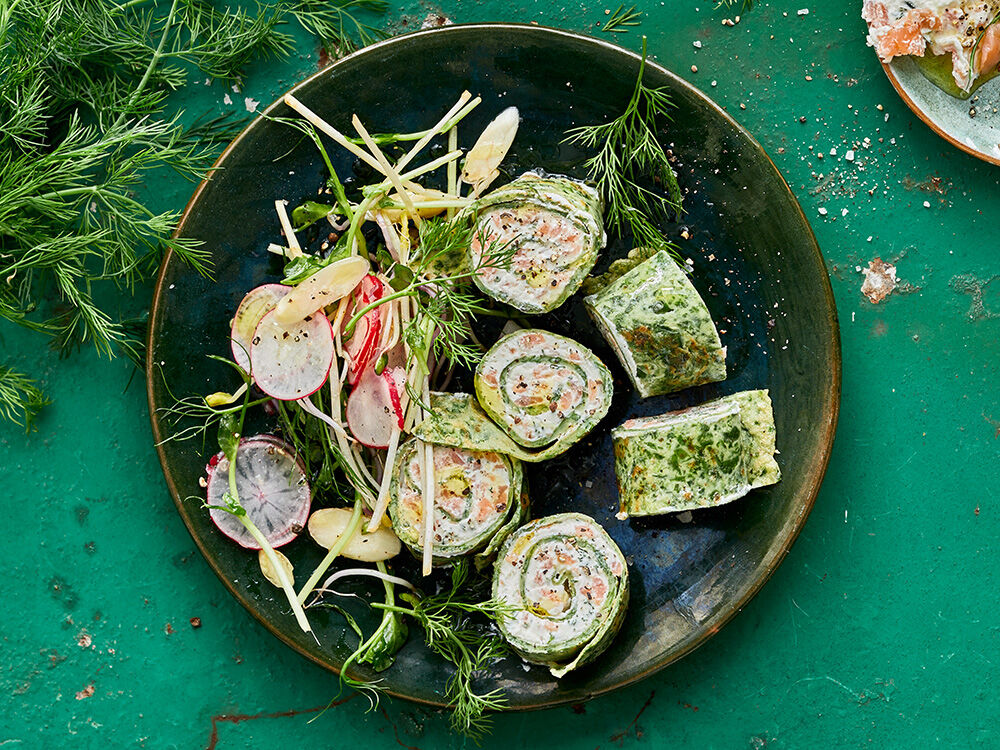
x,y
879,629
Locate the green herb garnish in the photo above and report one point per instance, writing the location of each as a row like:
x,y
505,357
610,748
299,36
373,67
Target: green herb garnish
x,y
621,19
84,122
631,169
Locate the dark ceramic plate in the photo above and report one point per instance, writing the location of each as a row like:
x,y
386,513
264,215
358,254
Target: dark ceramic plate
x,y
755,262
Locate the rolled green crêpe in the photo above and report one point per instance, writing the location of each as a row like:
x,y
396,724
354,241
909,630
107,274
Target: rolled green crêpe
x,y
660,328
699,457
555,225
543,389
567,583
478,501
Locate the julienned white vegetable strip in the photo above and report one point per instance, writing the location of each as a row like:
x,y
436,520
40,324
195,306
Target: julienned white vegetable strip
x,y
452,168
427,472
365,573
431,165
344,444
386,168
331,131
294,248
419,145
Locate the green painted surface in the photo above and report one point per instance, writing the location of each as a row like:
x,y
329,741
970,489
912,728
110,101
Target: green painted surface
x,y
878,630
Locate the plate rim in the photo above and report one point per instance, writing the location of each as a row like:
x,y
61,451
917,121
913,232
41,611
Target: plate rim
x,y
921,114
813,477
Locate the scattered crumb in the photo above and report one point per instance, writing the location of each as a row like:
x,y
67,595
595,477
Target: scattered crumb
x,y
87,692
880,280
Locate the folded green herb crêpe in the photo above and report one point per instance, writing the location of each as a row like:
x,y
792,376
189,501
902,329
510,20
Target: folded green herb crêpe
x,y
700,457
478,501
660,328
568,584
556,227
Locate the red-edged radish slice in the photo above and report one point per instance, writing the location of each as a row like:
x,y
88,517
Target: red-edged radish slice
x,y
370,412
273,490
362,347
255,305
395,380
291,362
323,288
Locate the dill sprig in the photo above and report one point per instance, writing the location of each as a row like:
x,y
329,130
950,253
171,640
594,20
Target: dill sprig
x,y
84,122
744,4
20,398
631,168
621,19
450,632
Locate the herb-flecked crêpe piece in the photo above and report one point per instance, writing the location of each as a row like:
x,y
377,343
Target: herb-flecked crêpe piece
x,y
699,457
659,327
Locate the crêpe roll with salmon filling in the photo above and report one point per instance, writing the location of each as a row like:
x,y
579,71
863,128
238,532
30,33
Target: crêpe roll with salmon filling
x,y
543,389
555,227
566,583
659,327
478,501
699,457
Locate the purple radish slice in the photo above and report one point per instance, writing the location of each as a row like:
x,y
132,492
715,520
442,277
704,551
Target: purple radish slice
x,y
256,304
371,414
291,362
273,490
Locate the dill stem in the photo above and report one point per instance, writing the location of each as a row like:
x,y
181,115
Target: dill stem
x,y
154,61
334,553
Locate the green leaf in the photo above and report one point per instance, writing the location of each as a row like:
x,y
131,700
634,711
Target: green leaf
x,y
301,267
309,213
389,638
230,425
402,277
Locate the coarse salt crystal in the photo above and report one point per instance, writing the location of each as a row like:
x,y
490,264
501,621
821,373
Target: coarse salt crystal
x,y
822,211
849,155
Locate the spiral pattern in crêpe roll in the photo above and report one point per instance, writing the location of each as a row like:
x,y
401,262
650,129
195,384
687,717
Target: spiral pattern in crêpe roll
x,y
542,389
566,583
478,500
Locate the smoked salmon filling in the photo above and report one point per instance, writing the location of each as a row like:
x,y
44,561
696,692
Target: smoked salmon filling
x,y
478,501
556,228
566,582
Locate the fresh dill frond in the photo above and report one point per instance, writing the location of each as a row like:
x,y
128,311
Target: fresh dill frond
x,y
445,300
337,26
84,122
20,398
621,19
471,647
631,168
744,4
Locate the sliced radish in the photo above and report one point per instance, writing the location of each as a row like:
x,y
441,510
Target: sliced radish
x,y
255,305
291,362
323,288
370,411
272,488
395,380
362,347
